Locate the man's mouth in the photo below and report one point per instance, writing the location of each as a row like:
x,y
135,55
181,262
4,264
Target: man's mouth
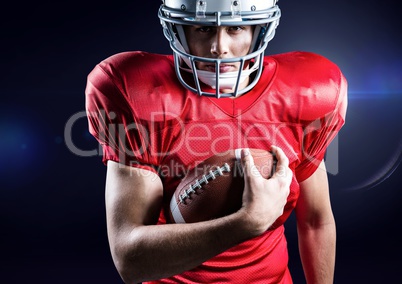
x,y
223,68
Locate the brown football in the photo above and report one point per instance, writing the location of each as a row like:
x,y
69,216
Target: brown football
x,y
214,188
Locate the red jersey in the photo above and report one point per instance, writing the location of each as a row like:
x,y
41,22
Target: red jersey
x,y
143,117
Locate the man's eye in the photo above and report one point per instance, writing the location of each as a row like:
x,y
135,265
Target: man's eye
x,y
204,29
236,28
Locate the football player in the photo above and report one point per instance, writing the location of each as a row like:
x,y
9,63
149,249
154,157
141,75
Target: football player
x,y
157,116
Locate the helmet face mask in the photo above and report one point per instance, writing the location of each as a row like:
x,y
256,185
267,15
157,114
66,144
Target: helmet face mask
x,y
262,14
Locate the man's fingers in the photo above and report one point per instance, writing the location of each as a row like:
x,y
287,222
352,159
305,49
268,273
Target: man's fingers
x,y
282,166
247,162
280,155
282,160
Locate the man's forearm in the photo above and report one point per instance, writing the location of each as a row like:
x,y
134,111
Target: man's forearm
x,y
317,252
159,251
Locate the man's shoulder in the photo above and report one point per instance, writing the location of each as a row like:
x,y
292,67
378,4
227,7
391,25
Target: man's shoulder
x,y
136,55
307,69
304,59
134,70
138,60
139,81
314,83
299,56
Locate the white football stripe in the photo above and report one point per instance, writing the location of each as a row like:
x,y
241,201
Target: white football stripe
x,y
174,208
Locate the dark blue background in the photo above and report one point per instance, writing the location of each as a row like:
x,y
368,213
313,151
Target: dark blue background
x,y
52,211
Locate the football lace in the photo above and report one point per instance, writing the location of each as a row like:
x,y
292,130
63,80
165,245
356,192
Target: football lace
x,y
219,171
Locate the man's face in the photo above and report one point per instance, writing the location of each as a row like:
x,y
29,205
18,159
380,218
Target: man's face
x,y
219,42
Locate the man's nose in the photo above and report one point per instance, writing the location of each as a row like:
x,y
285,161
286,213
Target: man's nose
x,y
219,44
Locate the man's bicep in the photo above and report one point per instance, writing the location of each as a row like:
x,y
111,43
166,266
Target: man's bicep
x,y
133,196
314,206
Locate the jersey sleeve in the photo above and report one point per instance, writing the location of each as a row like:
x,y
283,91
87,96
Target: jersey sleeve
x,y
112,122
319,133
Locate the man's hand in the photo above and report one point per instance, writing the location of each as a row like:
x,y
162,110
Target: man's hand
x,y
264,199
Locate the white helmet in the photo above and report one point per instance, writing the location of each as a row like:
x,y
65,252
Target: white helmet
x,y
263,14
